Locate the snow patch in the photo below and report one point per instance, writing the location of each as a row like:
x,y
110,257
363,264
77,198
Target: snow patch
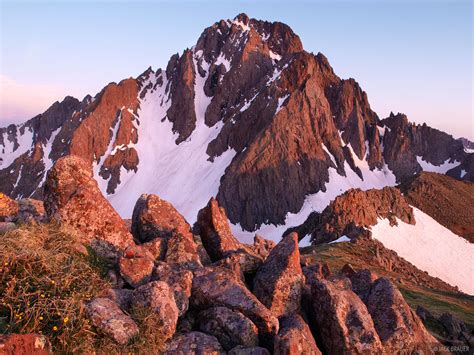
x,y
442,169
281,101
242,25
306,241
275,56
432,248
8,153
342,239
221,59
47,161
463,173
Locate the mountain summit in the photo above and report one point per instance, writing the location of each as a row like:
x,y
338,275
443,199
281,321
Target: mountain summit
x,y
245,115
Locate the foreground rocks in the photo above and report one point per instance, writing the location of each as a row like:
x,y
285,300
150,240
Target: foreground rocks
x,y
107,316
8,207
194,343
278,282
295,337
72,198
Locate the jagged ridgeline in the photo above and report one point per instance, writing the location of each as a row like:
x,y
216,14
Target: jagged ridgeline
x,y
247,116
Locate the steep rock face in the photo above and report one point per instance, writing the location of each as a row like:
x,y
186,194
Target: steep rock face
x,y
449,201
278,282
356,209
72,198
267,123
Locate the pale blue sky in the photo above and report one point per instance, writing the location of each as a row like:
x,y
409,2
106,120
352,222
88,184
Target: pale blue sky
x,y
414,57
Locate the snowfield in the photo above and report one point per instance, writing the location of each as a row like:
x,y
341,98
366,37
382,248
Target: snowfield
x,y
432,248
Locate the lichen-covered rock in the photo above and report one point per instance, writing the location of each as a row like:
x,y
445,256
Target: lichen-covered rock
x,y
195,343
153,217
7,226
18,344
121,296
230,327
342,319
262,246
220,287
182,252
157,297
30,210
157,247
294,337
279,281
107,316
72,198
213,227
136,265
398,326
8,207
180,282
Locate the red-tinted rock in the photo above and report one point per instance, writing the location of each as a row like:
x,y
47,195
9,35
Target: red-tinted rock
x,y
214,229
19,344
182,252
294,337
136,265
241,350
8,207
262,246
279,281
157,247
110,319
220,287
157,297
230,327
154,217
121,296
342,319
179,281
30,210
72,198
194,343
398,326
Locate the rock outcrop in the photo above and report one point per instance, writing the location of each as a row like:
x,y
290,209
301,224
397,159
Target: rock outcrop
x,y
8,207
72,198
278,282
220,287
136,265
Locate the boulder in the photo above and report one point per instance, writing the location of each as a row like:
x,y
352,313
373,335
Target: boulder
x,y
136,265
213,227
7,226
362,282
31,344
157,247
107,317
294,337
194,343
121,296
230,327
241,350
72,198
8,208
219,287
182,252
342,319
179,281
157,297
262,246
30,210
153,217
203,255
398,326
278,282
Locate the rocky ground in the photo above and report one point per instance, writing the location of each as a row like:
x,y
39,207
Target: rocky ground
x,y
181,289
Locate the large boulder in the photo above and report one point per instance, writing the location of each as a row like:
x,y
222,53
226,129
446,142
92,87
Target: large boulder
x,y
398,326
107,316
30,210
196,343
213,227
230,327
182,252
262,246
153,217
157,247
136,265
72,198
294,337
8,208
157,297
214,286
342,319
179,281
279,281
31,344
255,350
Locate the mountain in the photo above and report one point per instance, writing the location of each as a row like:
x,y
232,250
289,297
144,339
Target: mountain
x,y
246,115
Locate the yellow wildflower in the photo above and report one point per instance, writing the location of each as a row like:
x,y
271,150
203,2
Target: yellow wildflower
x,y
55,328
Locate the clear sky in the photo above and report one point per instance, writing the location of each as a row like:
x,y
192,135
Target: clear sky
x,y
414,57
